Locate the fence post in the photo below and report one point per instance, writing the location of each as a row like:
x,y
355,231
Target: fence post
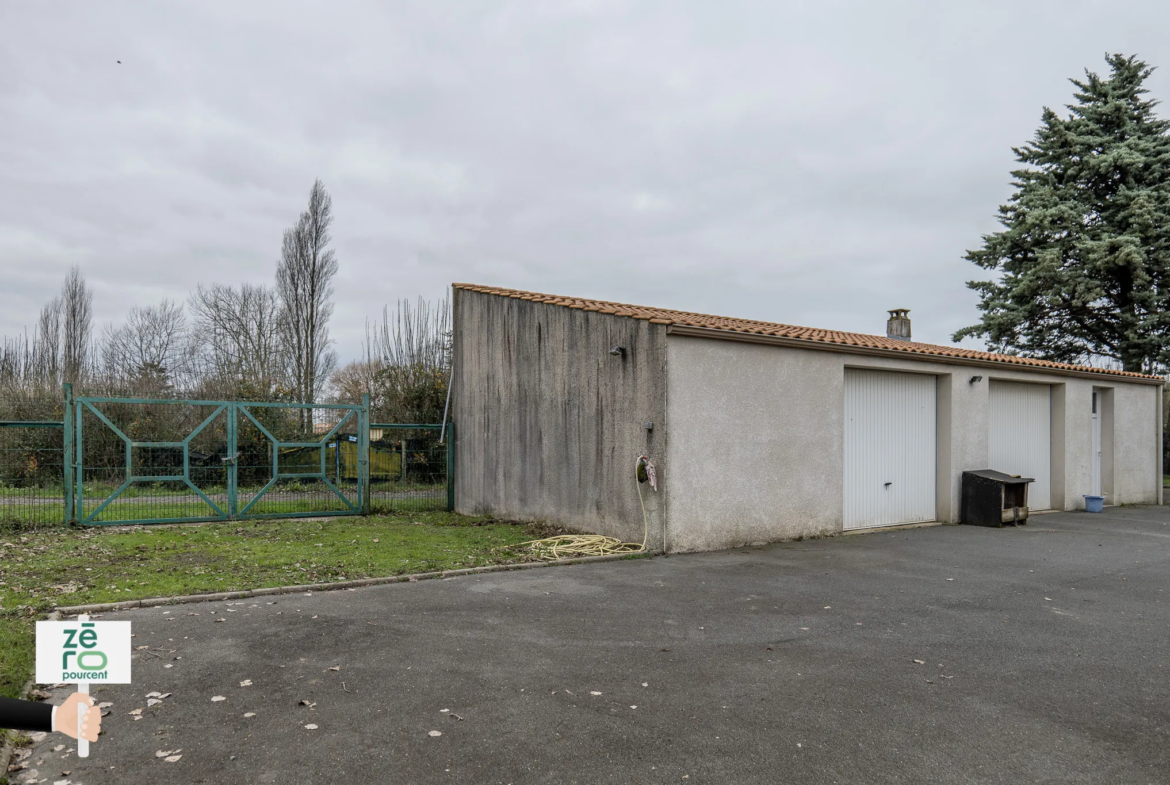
x,y
451,468
232,477
70,515
364,455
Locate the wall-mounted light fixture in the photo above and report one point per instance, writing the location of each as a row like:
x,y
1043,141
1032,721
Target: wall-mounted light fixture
x,y
618,351
975,379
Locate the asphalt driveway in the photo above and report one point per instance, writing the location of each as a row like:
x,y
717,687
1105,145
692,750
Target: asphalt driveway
x,y
935,655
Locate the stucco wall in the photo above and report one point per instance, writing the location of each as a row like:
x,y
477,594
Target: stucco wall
x,y
1136,439
756,444
548,423
757,438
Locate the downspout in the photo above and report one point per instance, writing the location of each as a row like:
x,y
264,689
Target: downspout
x,y
450,372
447,405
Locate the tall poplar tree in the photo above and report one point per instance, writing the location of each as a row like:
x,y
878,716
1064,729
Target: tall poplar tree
x,y
1083,261
304,283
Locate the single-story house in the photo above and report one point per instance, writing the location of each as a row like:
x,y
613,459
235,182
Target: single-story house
x,y
762,432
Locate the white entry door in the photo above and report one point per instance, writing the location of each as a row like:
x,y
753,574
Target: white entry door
x,y
1020,440
889,448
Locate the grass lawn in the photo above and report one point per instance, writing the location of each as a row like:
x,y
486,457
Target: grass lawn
x,y
40,570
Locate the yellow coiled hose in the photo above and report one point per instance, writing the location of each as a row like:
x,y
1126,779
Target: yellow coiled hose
x,y
569,546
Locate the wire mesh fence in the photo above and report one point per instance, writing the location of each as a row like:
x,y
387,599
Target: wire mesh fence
x,y
409,467
156,461
32,468
32,474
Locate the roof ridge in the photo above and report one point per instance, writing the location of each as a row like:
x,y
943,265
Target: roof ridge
x,y
734,324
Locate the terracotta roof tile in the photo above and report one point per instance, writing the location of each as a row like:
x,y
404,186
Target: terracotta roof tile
x,y
749,326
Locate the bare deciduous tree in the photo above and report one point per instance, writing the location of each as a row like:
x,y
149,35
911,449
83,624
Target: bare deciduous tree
x,y
304,278
32,368
76,303
150,349
352,380
413,349
239,335
251,341
47,344
17,364
24,393
59,349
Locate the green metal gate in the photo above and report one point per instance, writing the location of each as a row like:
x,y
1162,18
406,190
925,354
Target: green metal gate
x,y
97,460
167,461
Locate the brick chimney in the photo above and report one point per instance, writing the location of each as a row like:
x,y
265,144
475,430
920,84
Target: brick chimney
x,y
898,327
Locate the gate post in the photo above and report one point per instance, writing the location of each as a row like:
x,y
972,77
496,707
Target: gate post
x,y
232,480
67,460
364,455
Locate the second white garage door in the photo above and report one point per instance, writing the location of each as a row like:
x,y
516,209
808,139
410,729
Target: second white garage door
x,y
889,448
1020,438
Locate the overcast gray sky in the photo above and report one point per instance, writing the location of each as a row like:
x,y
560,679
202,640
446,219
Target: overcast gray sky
x,y
808,163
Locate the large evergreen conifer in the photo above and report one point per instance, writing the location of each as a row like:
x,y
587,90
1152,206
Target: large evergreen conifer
x,y
1084,257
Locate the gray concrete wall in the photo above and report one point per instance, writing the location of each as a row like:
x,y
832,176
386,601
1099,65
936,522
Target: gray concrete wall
x,y
757,438
548,423
1135,443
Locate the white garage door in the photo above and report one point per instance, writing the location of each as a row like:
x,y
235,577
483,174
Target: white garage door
x,y
1020,441
889,448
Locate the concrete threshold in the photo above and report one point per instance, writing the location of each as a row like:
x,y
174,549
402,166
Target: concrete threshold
x,y
895,527
938,523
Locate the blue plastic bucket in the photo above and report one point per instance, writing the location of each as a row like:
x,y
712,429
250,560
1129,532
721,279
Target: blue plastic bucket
x,y
1094,503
